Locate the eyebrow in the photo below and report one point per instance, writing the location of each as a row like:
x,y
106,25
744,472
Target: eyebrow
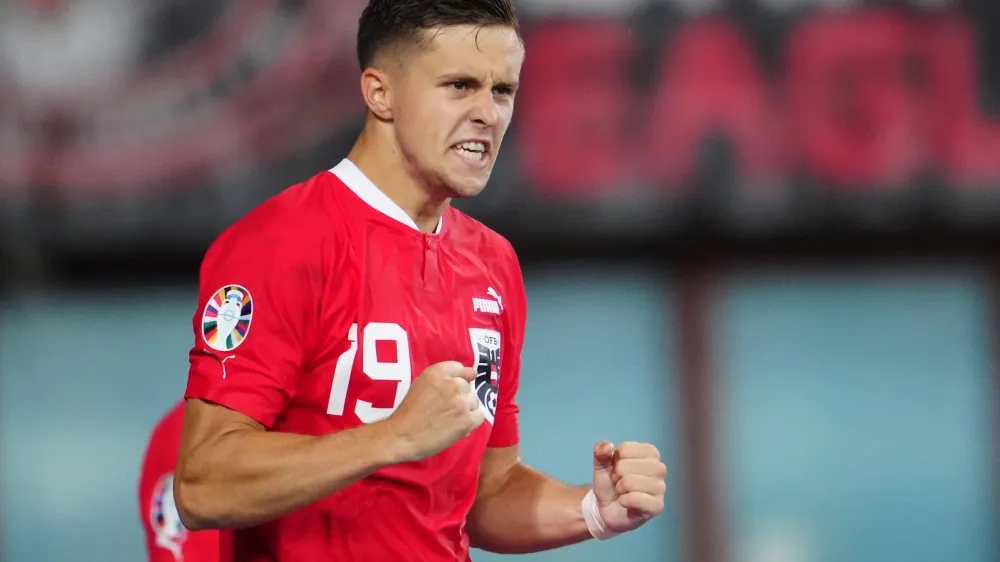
x,y
509,85
457,77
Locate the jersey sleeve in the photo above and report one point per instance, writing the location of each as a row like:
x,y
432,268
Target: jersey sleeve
x,y
258,304
200,546
166,538
506,430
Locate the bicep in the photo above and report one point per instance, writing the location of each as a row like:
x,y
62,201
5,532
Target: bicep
x,y
205,423
496,467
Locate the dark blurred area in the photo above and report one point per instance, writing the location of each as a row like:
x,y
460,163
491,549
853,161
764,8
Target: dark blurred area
x,y
643,125
781,215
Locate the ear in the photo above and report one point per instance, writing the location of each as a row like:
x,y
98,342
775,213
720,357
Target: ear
x,y
375,90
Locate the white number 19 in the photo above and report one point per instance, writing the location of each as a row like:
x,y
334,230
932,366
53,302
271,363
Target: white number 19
x,y
397,371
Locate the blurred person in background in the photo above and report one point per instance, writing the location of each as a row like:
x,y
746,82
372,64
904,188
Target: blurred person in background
x,y
167,540
410,451
55,54
54,50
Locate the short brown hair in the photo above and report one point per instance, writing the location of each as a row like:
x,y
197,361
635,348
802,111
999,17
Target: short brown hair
x,y
385,23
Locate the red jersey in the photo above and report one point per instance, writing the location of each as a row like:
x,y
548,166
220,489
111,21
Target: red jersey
x,y
166,538
316,312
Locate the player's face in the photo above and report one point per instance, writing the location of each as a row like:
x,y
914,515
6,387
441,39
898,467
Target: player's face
x,y
455,102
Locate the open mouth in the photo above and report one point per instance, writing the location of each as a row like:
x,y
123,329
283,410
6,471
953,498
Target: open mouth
x,y
474,152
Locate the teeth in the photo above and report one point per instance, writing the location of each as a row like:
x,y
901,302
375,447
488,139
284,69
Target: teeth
x,y
472,146
469,155
471,151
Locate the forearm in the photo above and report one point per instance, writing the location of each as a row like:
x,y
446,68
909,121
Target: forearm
x,y
249,477
527,512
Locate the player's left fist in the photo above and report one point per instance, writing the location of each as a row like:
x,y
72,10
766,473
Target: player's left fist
x,y
629,484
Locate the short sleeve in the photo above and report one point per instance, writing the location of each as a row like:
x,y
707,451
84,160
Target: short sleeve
x,y
258,299
166,538
506,430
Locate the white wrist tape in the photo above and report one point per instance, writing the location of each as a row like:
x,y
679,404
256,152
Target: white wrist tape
x,y
595,524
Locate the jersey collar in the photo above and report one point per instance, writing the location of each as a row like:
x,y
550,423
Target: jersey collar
x,y
358,182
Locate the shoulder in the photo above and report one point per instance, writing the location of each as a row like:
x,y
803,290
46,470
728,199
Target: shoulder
x,y
497,255
492,247
298,222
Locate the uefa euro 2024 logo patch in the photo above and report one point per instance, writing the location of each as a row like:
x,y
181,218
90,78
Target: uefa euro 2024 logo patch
x,y
164,519
226,320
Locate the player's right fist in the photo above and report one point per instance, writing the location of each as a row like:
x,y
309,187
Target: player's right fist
x,y
439,409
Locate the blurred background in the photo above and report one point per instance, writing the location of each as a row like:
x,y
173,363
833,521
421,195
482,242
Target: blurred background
x,y
761,234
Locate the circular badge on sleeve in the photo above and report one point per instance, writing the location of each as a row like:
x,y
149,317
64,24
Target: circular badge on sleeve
x,y
164,519
225,322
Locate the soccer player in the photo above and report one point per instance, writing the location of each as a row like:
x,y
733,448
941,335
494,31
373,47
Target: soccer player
x,y
352,391
166,538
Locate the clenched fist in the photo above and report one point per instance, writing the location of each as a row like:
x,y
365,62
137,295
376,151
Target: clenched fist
x,y
439,409
629,484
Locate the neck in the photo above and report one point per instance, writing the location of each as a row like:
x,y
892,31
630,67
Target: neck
x,y
383,163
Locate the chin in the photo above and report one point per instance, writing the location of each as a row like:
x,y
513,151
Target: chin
x,y
465,188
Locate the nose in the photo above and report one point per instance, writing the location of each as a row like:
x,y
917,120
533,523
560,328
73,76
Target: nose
x,y
485,110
